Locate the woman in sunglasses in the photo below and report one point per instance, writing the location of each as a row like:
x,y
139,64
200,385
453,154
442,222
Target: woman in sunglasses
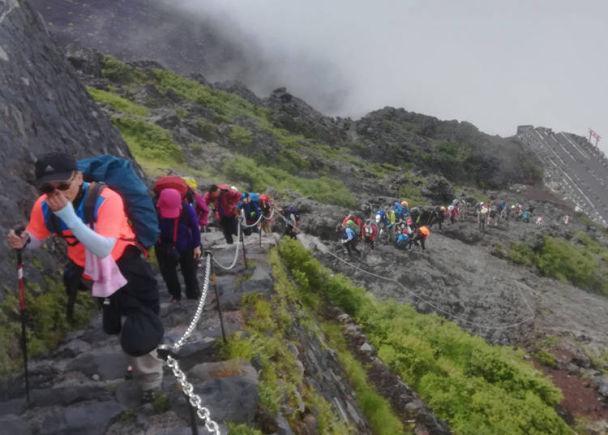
x,y
100,243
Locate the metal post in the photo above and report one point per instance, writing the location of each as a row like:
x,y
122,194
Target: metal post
x,y
217,299
244,251
193,416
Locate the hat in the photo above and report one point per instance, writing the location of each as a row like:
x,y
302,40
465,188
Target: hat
x,y
169,203
142,332
54,167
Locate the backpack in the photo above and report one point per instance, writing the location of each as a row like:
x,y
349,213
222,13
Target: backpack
x,y
254,197
120,175
358,224
291,210
171,182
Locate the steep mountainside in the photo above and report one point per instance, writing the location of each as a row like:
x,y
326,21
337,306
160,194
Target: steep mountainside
x,y
43,107
574,169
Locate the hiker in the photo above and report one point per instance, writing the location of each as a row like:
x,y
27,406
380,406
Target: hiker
x,y
482,216
350,238
403,240
370,231
292,218
201,206
266,208
105,249
225,200
250,209
421,235
440,213
525,216
179,244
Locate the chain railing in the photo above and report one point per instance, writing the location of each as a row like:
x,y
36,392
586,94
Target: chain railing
x,y
167,353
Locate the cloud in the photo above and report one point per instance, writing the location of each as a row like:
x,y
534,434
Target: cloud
x,y
495,64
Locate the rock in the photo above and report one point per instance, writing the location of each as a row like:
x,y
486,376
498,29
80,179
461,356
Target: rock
x,y
128,394
91,418
234,399
366,348
95,377
85,60
602,386
106,364
14,425
344,318
68,394
224,369
283,427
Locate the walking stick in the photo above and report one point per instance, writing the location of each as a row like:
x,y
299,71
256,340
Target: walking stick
x,y
22,311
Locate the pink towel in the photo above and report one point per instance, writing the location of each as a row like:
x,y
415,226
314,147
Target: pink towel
x,y
105,274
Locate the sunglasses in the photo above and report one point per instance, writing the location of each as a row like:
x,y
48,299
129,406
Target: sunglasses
x,y
47,188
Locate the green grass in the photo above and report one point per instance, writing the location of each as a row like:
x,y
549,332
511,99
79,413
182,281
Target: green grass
x,y
266,339
476,387
260,178
377,409
119,72
117,102
149,142
46,326
582,261
240,135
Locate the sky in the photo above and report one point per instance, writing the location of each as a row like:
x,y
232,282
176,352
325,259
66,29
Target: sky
x,y
494,63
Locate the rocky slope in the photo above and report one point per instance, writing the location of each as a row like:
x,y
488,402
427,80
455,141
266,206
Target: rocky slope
x,y
43,107
574,169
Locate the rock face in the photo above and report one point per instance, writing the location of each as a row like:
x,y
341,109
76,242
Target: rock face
x,y
43,107
574,168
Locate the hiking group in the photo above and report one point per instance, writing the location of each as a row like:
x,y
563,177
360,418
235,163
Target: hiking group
x,y
103,211
406,227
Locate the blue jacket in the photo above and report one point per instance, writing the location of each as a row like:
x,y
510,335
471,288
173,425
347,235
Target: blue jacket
x,y
188,232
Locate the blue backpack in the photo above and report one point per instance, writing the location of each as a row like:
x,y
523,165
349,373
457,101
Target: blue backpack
x,y
120,175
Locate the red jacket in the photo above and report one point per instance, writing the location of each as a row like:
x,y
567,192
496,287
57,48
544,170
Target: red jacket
x,y
226,203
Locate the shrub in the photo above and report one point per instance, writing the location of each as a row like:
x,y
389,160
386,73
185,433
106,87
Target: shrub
x,y
148,141
117,102
119,72
261,177
476,387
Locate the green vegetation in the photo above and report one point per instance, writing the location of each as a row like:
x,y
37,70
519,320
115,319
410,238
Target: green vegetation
x,y
476,387
376,408
266,338
148,142
117,102
583,261
47,324
260,178
240,135
119,72
546,358
242,429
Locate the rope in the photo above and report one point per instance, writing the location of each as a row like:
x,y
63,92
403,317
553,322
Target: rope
x,y
431,304
236,252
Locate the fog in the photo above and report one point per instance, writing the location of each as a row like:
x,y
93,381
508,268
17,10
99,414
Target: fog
x,y
495,64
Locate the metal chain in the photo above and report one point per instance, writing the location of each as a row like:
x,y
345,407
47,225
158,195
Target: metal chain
x,y
194,399
236,253
199,309
244,225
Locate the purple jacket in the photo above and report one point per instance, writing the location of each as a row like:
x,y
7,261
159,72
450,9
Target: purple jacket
x,y
188,232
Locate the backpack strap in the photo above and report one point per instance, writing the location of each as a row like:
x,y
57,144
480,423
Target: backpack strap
x,y
90,204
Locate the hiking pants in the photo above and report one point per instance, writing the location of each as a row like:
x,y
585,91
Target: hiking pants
x,y
352,244
188,265
229,227
141,291
420,241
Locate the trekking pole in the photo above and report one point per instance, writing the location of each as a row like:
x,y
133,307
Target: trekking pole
x,y
22,311
217,299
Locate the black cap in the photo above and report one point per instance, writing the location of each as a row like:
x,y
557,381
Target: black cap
x,y
55,167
